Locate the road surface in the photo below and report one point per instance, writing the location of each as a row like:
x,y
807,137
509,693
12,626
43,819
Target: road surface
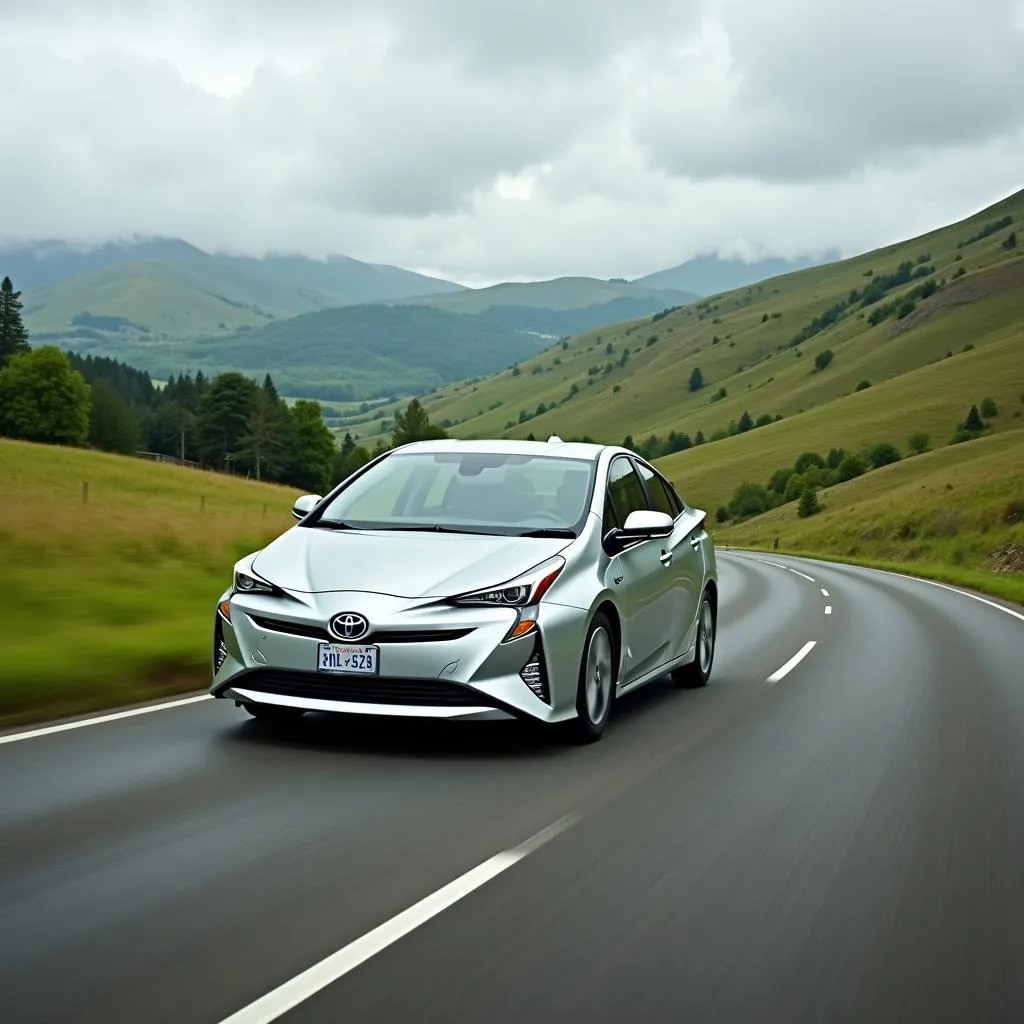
x,y
833,830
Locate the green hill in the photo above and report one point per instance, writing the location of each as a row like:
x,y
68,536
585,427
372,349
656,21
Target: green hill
x,y
897,341
562,293
342,354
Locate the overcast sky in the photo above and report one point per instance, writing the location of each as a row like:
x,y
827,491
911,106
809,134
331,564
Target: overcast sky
x,y
492,139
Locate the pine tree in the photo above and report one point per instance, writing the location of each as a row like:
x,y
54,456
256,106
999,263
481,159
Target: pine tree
x,y
696,379
13,336
974,422
413,424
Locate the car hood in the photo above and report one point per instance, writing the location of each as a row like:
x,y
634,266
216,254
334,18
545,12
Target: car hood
x,y
411,565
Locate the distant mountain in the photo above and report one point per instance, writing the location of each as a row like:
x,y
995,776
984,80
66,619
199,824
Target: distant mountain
x,y
167,286
559,323
558,293
710,275
341,354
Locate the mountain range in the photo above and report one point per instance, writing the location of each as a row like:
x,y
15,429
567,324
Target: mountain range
x,y
166,306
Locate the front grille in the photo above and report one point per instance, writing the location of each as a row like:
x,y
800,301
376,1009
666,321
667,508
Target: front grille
x,y
382,636
360,689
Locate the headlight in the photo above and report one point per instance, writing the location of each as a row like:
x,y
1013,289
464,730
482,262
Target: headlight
x,y
245,583
522,592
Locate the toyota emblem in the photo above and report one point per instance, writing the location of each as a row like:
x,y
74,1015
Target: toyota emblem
x,y
349,625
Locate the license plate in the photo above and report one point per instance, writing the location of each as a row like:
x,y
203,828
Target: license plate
x,y
344,658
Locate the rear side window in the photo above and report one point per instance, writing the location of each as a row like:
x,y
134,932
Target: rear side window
x,y
624,489
663,499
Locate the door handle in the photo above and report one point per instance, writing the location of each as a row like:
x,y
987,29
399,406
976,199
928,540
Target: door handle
x,y
666,557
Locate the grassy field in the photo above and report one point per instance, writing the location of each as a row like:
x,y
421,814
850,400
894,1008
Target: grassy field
x,y
110,600
954,514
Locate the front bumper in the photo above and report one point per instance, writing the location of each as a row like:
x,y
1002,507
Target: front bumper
x,y
435,660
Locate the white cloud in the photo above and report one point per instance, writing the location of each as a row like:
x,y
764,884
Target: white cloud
x,y
483,140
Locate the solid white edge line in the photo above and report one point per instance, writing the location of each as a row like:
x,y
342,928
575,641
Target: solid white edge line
x,y
49,730
945,586
828,609
793,662
289,995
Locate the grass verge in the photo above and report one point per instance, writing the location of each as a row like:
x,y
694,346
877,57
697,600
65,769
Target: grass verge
x,y
108,599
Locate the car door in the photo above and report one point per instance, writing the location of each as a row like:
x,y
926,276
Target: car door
x,y
684,556
643,584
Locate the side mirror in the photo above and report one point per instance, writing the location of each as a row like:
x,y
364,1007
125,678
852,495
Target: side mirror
x,y
644,524
304,505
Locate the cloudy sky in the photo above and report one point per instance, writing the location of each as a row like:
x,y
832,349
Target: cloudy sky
x,y
492,139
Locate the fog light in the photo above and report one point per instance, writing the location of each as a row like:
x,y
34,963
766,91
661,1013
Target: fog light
x,y
535,675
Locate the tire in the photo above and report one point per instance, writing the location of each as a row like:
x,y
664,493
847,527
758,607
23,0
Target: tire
x,y
274,714
595,691
698,672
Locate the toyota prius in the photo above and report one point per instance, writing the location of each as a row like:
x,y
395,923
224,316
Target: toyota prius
x,y
474,580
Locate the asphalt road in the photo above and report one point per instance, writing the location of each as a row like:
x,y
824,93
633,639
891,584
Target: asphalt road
x,y
844,842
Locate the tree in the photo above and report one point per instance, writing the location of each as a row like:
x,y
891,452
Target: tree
x,y
851,466
43,399
264,444
809,504
696,379
822,359
1010,242
882,454
918,442
223,420
749,500
745,423
698,437
313,448
13,336
989,409
808,459
113,425
974,422
413,424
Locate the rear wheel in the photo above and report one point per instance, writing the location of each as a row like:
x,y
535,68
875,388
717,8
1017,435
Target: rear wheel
x,y
596,688
698,672
275,714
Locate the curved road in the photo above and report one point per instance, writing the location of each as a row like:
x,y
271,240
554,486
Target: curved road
x,y
836,838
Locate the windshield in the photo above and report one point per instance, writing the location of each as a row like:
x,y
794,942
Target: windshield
x,y
473,492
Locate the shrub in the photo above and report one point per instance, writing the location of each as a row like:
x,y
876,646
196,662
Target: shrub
x,y
696,379
1013,513
822,359
989,408
809,504
863,385
778,480
749,500
721,514
918,442
795,486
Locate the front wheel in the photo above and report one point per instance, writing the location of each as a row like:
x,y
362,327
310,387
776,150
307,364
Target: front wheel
x,y
698,672
596,687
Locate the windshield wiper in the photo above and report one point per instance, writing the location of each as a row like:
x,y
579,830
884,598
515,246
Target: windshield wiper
x,y
421,528
331,524
550,531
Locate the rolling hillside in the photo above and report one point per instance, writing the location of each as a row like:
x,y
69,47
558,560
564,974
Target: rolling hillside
x,y
168,287
919,367
708,275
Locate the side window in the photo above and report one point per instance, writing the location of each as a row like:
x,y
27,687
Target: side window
x,y
660,496
624,489
609,519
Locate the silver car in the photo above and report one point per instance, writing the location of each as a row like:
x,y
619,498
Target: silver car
x,y
474,580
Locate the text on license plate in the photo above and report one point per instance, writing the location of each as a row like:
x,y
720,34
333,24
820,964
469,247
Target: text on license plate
x,y
344,658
